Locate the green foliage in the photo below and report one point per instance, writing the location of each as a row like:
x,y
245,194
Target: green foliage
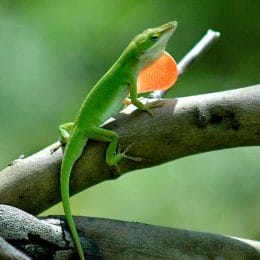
x,y
51,54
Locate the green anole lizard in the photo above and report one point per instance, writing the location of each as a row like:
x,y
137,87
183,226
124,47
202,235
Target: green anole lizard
x,y
127,75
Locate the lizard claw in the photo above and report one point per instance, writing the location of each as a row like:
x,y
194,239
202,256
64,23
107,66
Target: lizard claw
x,y
149,105
55,148
129,147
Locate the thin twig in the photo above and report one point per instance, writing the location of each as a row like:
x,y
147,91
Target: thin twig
x,y
206,41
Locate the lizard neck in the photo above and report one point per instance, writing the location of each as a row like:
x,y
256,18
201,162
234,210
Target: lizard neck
x,y
138,59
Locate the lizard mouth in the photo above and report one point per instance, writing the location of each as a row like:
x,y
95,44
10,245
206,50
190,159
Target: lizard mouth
x,y
167,30
169,27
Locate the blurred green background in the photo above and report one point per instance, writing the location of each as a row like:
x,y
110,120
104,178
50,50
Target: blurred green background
x,y
52,53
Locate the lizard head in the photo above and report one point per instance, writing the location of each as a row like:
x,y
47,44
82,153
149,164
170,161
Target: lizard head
x,y
151,44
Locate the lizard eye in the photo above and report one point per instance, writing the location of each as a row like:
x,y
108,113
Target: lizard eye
x,y
154,37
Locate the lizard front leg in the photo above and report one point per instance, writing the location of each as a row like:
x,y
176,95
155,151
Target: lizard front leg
x,y
135,101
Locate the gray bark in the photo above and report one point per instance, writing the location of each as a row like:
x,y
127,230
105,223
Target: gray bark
x,y
113,239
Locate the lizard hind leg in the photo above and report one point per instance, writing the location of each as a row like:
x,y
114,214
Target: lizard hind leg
x,y
65,131
113,157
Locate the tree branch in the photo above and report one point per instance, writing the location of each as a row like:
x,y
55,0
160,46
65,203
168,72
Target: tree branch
x,y
181,127
113,239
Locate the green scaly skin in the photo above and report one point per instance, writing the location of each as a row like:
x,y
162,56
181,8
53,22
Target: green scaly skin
x,y
102,102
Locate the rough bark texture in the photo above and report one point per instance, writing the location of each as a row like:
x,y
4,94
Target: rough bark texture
x,y
113,239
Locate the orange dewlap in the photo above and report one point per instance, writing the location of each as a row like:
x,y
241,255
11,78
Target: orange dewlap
x,y
160,75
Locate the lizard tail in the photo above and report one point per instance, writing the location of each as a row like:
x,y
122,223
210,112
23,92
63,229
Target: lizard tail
x,y
72,152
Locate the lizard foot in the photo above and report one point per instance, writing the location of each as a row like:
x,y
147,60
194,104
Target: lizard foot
x,y
148,105
121,155
129,147
116,158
